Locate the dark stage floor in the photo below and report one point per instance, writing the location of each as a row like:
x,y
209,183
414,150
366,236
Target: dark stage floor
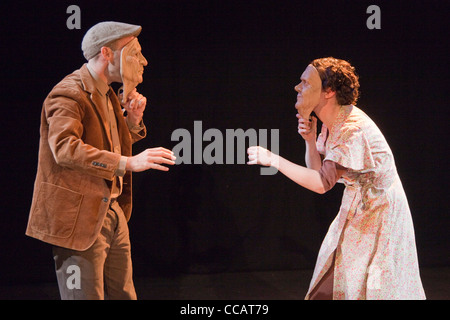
x,y
276,285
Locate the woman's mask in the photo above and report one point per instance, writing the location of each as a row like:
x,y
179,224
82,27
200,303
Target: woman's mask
x,y
308,91
132,64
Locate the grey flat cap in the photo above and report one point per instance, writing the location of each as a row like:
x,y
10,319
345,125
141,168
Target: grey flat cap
x,y
104,33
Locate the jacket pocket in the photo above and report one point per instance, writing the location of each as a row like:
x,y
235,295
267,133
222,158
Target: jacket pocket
x,y
56,210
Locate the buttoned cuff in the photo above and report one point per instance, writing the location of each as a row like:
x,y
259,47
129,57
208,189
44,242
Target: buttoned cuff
x,y
136,128
120,171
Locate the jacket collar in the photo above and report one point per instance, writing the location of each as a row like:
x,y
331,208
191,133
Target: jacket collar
x,y
89,85
96,96
101,86
87,80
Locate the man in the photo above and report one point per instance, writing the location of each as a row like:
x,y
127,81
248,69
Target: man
x,y
82,194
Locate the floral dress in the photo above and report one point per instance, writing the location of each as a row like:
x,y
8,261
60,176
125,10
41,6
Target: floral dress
x,y
371,242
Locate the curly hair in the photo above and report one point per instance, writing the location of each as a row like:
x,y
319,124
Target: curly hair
x,y
339,76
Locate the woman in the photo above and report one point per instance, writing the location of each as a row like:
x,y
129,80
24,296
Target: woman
x,y
369,251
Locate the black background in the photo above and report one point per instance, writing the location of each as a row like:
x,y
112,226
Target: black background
x,y
232,64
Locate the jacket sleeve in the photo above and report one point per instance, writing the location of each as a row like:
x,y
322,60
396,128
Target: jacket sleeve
x,y
64,110
138,132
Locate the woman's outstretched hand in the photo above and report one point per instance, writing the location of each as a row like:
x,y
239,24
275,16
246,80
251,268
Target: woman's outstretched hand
x,y
262,156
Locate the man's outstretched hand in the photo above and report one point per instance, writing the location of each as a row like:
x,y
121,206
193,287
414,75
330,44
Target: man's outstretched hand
x,y
152,158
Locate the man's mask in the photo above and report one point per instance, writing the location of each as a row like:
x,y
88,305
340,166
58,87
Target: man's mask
x,y
308,91
132,64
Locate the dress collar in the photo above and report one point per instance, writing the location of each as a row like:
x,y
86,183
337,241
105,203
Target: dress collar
x,y
343,113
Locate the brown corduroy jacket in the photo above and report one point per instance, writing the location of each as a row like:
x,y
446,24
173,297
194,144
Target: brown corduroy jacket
x,y
76,165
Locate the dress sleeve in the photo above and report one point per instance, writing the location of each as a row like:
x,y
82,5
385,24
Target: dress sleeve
x,y
330,172
350,149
